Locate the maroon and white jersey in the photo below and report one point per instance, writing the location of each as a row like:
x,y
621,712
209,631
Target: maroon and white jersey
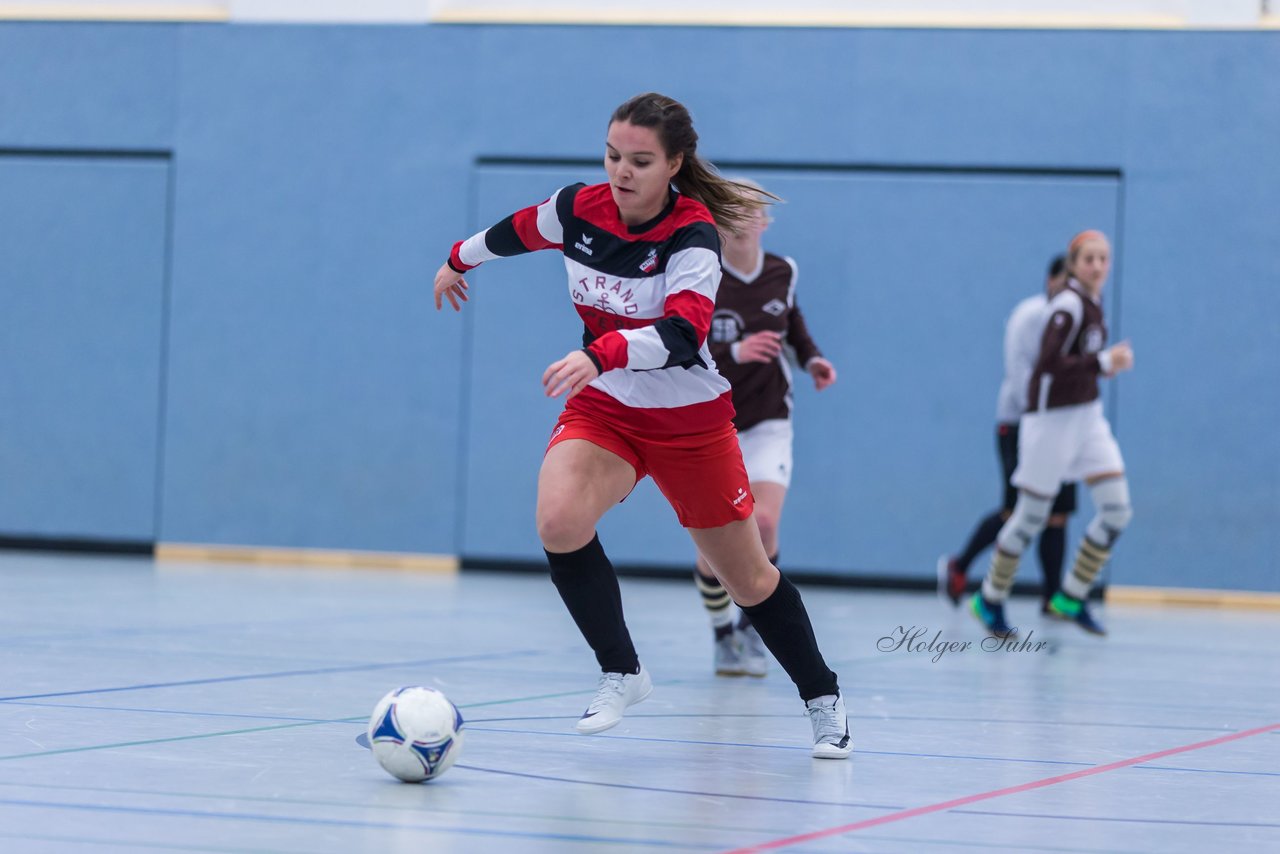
x,y
645,294
1066,372
756,301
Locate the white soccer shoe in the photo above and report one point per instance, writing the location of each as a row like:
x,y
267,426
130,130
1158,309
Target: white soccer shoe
x,y
830,727
728,655
615,692
755,656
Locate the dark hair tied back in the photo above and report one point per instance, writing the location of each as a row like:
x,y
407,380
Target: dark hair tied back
x,y
730,202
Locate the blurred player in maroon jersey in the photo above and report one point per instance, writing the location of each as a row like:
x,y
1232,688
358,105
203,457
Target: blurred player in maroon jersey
x,y
756,329
1065,436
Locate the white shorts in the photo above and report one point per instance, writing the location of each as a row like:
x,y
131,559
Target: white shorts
x,y
766,451
1062,445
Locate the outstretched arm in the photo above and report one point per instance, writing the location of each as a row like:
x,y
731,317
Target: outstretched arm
x,y
527,230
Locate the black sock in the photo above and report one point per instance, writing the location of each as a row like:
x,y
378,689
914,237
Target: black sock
x,y
1053,548
589,588
784,627
981,538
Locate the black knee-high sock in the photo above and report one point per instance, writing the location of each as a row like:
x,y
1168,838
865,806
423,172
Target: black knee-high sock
x,y
981,538
589,588
1053,549
784,626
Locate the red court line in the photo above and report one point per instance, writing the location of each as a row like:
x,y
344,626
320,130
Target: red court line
x,y
788,841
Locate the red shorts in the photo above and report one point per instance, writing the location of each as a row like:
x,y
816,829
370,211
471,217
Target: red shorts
x,y
701,474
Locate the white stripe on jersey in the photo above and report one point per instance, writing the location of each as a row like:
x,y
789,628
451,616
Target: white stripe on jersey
x,y
1069,301
693,269
636,298
795,274
549,222
664,389
645,348
474,251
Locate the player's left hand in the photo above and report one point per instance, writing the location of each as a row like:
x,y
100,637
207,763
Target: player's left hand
x,y
822,371
571,374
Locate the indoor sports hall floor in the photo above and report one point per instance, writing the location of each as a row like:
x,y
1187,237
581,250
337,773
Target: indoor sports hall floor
x,y
185,707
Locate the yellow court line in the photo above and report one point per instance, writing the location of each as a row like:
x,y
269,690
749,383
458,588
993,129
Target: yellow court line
x,y
197,552
198,12
1188,597
461,14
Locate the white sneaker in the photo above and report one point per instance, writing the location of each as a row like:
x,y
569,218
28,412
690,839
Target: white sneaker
x,y
729,655
615,692
754,656
830,727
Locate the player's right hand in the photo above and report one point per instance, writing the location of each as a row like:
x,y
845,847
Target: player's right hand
x,y
761,346
1121,357
450,284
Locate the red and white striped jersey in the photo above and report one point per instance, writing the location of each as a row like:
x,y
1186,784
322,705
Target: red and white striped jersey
x,y
645,294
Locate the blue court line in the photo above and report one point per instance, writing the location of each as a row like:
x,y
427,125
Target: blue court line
x,y
220,733
666,791
1126,820
317,671
857,751
188,629
399,827
861,692
1210,771
889,719
417,808
175,712
149,741
986,845
99,841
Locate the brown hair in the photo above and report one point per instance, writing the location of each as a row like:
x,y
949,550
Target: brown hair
x,y
730,202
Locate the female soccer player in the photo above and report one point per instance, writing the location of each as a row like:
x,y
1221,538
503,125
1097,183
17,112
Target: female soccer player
x,y
1022,334
643,265
1064,436
757,316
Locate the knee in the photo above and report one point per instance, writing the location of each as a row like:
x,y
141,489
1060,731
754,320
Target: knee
x,y
1057,520
768,525
753,586
1025,524
561,530
1111,497
1116,516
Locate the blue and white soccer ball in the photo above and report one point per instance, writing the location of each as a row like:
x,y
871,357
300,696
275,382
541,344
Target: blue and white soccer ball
x,y
415,733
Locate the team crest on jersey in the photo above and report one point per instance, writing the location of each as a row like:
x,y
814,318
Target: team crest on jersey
x,y
1093,339
726,326
775,307
650,262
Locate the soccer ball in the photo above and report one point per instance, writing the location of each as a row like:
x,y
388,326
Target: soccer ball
x,y
415,733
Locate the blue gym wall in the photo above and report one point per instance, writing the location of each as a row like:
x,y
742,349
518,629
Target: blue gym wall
x,y
217,244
